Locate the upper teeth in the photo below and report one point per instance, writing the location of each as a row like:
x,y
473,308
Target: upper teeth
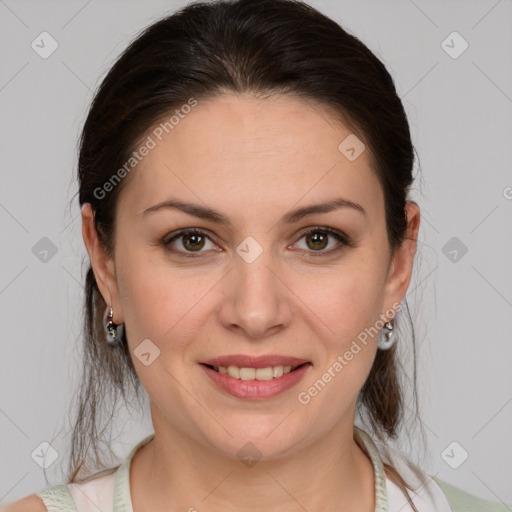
x,y
268,373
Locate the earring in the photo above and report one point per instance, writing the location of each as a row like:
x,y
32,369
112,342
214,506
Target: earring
x,y
387,336
113,332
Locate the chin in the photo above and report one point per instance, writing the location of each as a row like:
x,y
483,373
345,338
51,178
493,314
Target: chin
x,y
260,437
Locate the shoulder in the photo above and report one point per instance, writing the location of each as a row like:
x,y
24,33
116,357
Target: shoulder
x,y
32,503
432,494
98,489
49,499
462,501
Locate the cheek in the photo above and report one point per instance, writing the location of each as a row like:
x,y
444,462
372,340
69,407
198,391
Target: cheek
x,y
349,306
162,302
342,302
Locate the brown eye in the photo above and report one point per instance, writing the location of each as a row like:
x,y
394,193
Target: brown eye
x,y
192,241
323,241
317,240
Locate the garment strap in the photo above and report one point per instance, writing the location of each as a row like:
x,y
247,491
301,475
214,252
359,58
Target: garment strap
x,y
122,497
57,499
94,495
366,443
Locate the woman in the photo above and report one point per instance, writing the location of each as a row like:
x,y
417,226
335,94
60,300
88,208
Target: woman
x,y
244,174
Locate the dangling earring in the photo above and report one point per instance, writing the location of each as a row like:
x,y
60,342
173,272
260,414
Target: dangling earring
x,y
387,335
113,332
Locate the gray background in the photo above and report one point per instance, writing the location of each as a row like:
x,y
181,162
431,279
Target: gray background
x,y
460,110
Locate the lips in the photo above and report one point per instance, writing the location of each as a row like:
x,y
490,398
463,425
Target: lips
x,y
253,388
248,361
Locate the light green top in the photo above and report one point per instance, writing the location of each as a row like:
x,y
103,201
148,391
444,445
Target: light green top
x,y
58,498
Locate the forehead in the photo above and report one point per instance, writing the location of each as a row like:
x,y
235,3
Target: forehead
x,y
238,152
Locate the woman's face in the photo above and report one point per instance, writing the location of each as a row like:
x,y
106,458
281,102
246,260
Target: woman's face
x,y
254,284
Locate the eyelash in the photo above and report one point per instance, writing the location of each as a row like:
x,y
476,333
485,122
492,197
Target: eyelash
x,y
339,236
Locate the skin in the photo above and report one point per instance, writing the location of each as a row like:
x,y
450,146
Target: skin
x,y
253,160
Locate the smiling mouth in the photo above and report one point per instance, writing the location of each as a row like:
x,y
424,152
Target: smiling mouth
x,y
244,373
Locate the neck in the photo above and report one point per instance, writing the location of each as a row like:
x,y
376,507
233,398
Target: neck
x,y
176,472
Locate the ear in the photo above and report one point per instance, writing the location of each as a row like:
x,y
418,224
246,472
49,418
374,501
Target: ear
x,y
102,264
400,271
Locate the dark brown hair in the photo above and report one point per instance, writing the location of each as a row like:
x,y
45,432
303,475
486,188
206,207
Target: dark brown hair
x,y
260,47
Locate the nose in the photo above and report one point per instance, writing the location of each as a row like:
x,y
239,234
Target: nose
x,y
256,299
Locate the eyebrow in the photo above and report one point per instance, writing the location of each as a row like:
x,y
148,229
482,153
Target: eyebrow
x,y
207,213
